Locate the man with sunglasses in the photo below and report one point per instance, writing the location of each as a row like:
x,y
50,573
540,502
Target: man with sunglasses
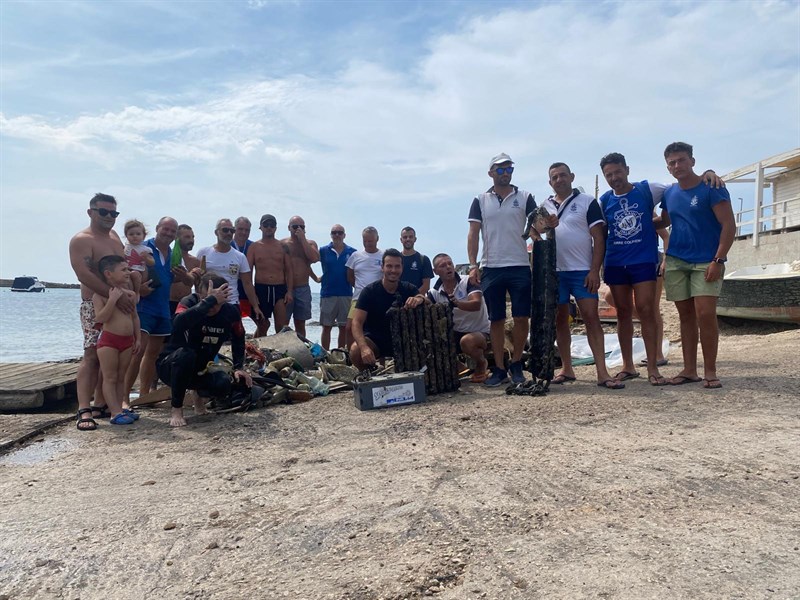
x,y
336,291
500,217
230,264
86,249
304,253
270,260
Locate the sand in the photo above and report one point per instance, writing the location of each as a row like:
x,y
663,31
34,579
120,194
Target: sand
x,y
674,492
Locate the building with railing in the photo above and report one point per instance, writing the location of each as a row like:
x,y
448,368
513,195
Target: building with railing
x,y
769,232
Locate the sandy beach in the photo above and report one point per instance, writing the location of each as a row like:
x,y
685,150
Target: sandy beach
x,y
672,492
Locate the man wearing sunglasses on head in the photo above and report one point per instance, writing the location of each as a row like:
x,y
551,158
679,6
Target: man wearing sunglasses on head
x,y
230,264
304,253
86,249
500,216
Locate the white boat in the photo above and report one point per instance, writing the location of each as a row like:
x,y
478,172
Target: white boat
x,y
26,283
762,293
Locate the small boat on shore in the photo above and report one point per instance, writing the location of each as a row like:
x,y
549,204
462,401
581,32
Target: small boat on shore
x,y
26,283
762,293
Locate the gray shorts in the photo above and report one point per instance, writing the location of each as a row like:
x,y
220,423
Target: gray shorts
x,y
333,310
300,306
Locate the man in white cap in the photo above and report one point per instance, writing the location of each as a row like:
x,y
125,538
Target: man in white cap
x,y
500,216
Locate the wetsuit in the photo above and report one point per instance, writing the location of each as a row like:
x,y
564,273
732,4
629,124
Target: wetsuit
x,y
195,341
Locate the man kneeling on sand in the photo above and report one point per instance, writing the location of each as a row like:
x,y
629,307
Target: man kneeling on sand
x,y
470,317
203,322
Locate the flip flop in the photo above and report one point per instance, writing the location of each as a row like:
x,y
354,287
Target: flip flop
x,y
561,378
659,363
122,419
657,380
683,379
615,385
712,384
131,413
625,376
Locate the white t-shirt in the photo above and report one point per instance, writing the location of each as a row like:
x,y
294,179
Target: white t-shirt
x,y
573,241
464,321
228,265
366,269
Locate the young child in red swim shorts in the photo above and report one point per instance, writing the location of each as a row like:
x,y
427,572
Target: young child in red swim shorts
x,y
120,337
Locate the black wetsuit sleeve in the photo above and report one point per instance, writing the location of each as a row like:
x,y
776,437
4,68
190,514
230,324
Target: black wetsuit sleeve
x,y
237,339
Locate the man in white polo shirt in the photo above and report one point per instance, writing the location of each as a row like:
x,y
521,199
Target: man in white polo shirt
x,y
499,216
580,248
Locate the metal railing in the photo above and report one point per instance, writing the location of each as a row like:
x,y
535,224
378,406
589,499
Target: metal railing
x,y
776,217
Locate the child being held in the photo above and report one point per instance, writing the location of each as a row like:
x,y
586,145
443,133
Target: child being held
x,y
139,255
120,338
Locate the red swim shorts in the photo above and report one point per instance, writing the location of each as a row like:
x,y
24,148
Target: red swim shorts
x,y
112,340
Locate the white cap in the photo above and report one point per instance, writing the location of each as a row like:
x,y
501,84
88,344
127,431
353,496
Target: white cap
x,y
500,159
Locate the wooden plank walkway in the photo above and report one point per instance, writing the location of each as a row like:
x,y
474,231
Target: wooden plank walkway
x,y
27,385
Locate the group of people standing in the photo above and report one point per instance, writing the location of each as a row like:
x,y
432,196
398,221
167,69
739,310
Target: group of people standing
x,y
140,293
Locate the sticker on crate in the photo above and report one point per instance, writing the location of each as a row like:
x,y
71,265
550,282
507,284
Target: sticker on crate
x,y
401,393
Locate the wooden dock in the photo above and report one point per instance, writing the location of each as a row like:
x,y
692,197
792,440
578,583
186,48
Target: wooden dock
x,y
28,385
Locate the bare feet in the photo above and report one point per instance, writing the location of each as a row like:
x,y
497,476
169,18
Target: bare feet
x,y
177,419
199,404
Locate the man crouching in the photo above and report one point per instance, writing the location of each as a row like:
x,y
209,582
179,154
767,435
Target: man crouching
x,y
203,322
371,331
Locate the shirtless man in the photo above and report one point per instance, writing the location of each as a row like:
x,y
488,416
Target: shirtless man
x,y
179,289
304,253
270,260
86,249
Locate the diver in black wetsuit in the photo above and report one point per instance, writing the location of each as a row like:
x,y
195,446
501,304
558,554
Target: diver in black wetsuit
x,y
203,322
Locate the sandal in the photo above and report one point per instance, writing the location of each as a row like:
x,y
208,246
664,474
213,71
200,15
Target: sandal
x,y
712,384
561,379
657,380
131,413
103,410
122,419
611,384
625,375
85,423
479,377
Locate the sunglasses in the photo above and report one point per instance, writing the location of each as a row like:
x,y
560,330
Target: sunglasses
x,y
337,232
504,170
227,230
269,224
299,227
104,212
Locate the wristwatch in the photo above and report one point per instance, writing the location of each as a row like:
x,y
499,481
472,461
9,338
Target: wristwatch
x,y
473,267
719,261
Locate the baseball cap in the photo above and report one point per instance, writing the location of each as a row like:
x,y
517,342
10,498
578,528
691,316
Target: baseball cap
x,y
500,159
268,219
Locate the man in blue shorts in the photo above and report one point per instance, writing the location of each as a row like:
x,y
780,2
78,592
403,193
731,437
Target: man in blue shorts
x,y
336,291
632,262
499,216
580,246
703,227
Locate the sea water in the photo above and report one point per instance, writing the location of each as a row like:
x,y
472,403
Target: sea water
x,y
41,327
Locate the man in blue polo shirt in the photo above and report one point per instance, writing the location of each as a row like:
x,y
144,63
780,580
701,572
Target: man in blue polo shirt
x,y
703,227
153,307
336,292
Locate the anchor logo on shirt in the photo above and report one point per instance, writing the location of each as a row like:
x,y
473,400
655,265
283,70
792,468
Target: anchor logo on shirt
x,y
628,222
693,202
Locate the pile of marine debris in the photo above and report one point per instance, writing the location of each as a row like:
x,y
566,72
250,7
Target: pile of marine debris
x,y
289,369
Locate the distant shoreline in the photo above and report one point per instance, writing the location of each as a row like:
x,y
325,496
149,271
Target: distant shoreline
x,y
49,284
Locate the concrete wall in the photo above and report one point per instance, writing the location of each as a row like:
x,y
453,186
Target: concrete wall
x,y
775,248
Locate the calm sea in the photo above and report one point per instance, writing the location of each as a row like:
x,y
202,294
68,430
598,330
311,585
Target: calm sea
x,y
45,326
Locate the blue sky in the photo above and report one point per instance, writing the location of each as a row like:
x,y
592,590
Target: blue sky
x,y
365,113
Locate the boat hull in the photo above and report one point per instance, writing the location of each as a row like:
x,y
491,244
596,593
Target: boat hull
x,y
761,298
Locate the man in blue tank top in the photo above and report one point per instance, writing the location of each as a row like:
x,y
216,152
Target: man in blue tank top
x,y
703,227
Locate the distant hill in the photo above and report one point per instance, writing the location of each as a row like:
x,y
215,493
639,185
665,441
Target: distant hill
x,y
50,284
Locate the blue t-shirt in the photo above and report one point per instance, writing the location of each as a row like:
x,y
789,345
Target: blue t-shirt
x,y
157,303
695,230
632,238
416,267
334,271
